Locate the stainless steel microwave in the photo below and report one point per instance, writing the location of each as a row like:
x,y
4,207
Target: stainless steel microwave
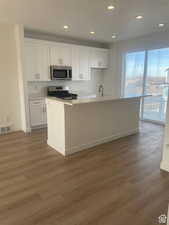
x,y
61,72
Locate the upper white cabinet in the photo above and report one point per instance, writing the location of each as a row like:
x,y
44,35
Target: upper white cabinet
x,y
61,54
99,58
39,55
80,63
37,61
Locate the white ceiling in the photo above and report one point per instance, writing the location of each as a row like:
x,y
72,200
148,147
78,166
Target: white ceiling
x,y
83,16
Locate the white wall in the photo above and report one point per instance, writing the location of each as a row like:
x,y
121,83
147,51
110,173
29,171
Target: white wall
x,y
113,80
9,88
19,36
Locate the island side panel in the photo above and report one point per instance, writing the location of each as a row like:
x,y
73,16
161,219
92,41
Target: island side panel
x,y
68,122
97,123
56,125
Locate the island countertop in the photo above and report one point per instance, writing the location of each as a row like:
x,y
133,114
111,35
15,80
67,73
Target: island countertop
x,y
86,100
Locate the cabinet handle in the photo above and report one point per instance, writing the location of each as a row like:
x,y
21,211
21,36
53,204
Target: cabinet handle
x,y
36,103
60,61
100,63
81,76
37,76
44,109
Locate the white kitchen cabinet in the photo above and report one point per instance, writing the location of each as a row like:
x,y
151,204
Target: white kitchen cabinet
x,y
99,58
80,63
61,54
37,61
38,115
39,55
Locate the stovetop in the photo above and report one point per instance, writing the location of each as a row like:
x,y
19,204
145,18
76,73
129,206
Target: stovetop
x,y
65,96
58,92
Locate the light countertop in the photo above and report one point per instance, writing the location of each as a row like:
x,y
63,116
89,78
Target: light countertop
x,y
93,99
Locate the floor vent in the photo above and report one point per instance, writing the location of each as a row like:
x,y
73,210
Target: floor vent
x,y
5,129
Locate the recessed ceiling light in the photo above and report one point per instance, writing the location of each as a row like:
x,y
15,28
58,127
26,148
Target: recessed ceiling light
x,y
114,36
92,32
110,7
139,17
65,27
161,24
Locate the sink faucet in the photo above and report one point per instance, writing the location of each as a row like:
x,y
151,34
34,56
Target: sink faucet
x,y
101,90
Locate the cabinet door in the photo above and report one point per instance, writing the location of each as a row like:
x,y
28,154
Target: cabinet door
x,y
44,62
103,56
38,113
31,69
37,62
93,58
99,58
75,63
44,113
61,55
80,63
84,71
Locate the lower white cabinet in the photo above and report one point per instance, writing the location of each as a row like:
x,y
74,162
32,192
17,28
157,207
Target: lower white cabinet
x,y
38,115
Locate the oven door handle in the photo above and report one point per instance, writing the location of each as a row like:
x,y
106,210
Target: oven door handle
x,y
69,74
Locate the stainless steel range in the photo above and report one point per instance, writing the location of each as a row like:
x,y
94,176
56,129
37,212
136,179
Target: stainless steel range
x,y
60,92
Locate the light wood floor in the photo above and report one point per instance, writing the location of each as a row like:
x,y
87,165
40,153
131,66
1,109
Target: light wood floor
x,y
117,183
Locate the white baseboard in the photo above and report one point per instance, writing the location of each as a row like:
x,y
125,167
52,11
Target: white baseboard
x,y
28,130
164,166
101,141
52,145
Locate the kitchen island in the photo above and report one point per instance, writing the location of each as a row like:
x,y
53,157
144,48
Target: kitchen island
x,y
75,125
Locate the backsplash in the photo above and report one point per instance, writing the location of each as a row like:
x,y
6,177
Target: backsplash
x,y
82,88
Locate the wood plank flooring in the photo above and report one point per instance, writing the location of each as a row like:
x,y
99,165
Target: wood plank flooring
x,y
117,183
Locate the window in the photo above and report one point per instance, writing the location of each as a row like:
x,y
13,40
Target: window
x,y
134,74
145,73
